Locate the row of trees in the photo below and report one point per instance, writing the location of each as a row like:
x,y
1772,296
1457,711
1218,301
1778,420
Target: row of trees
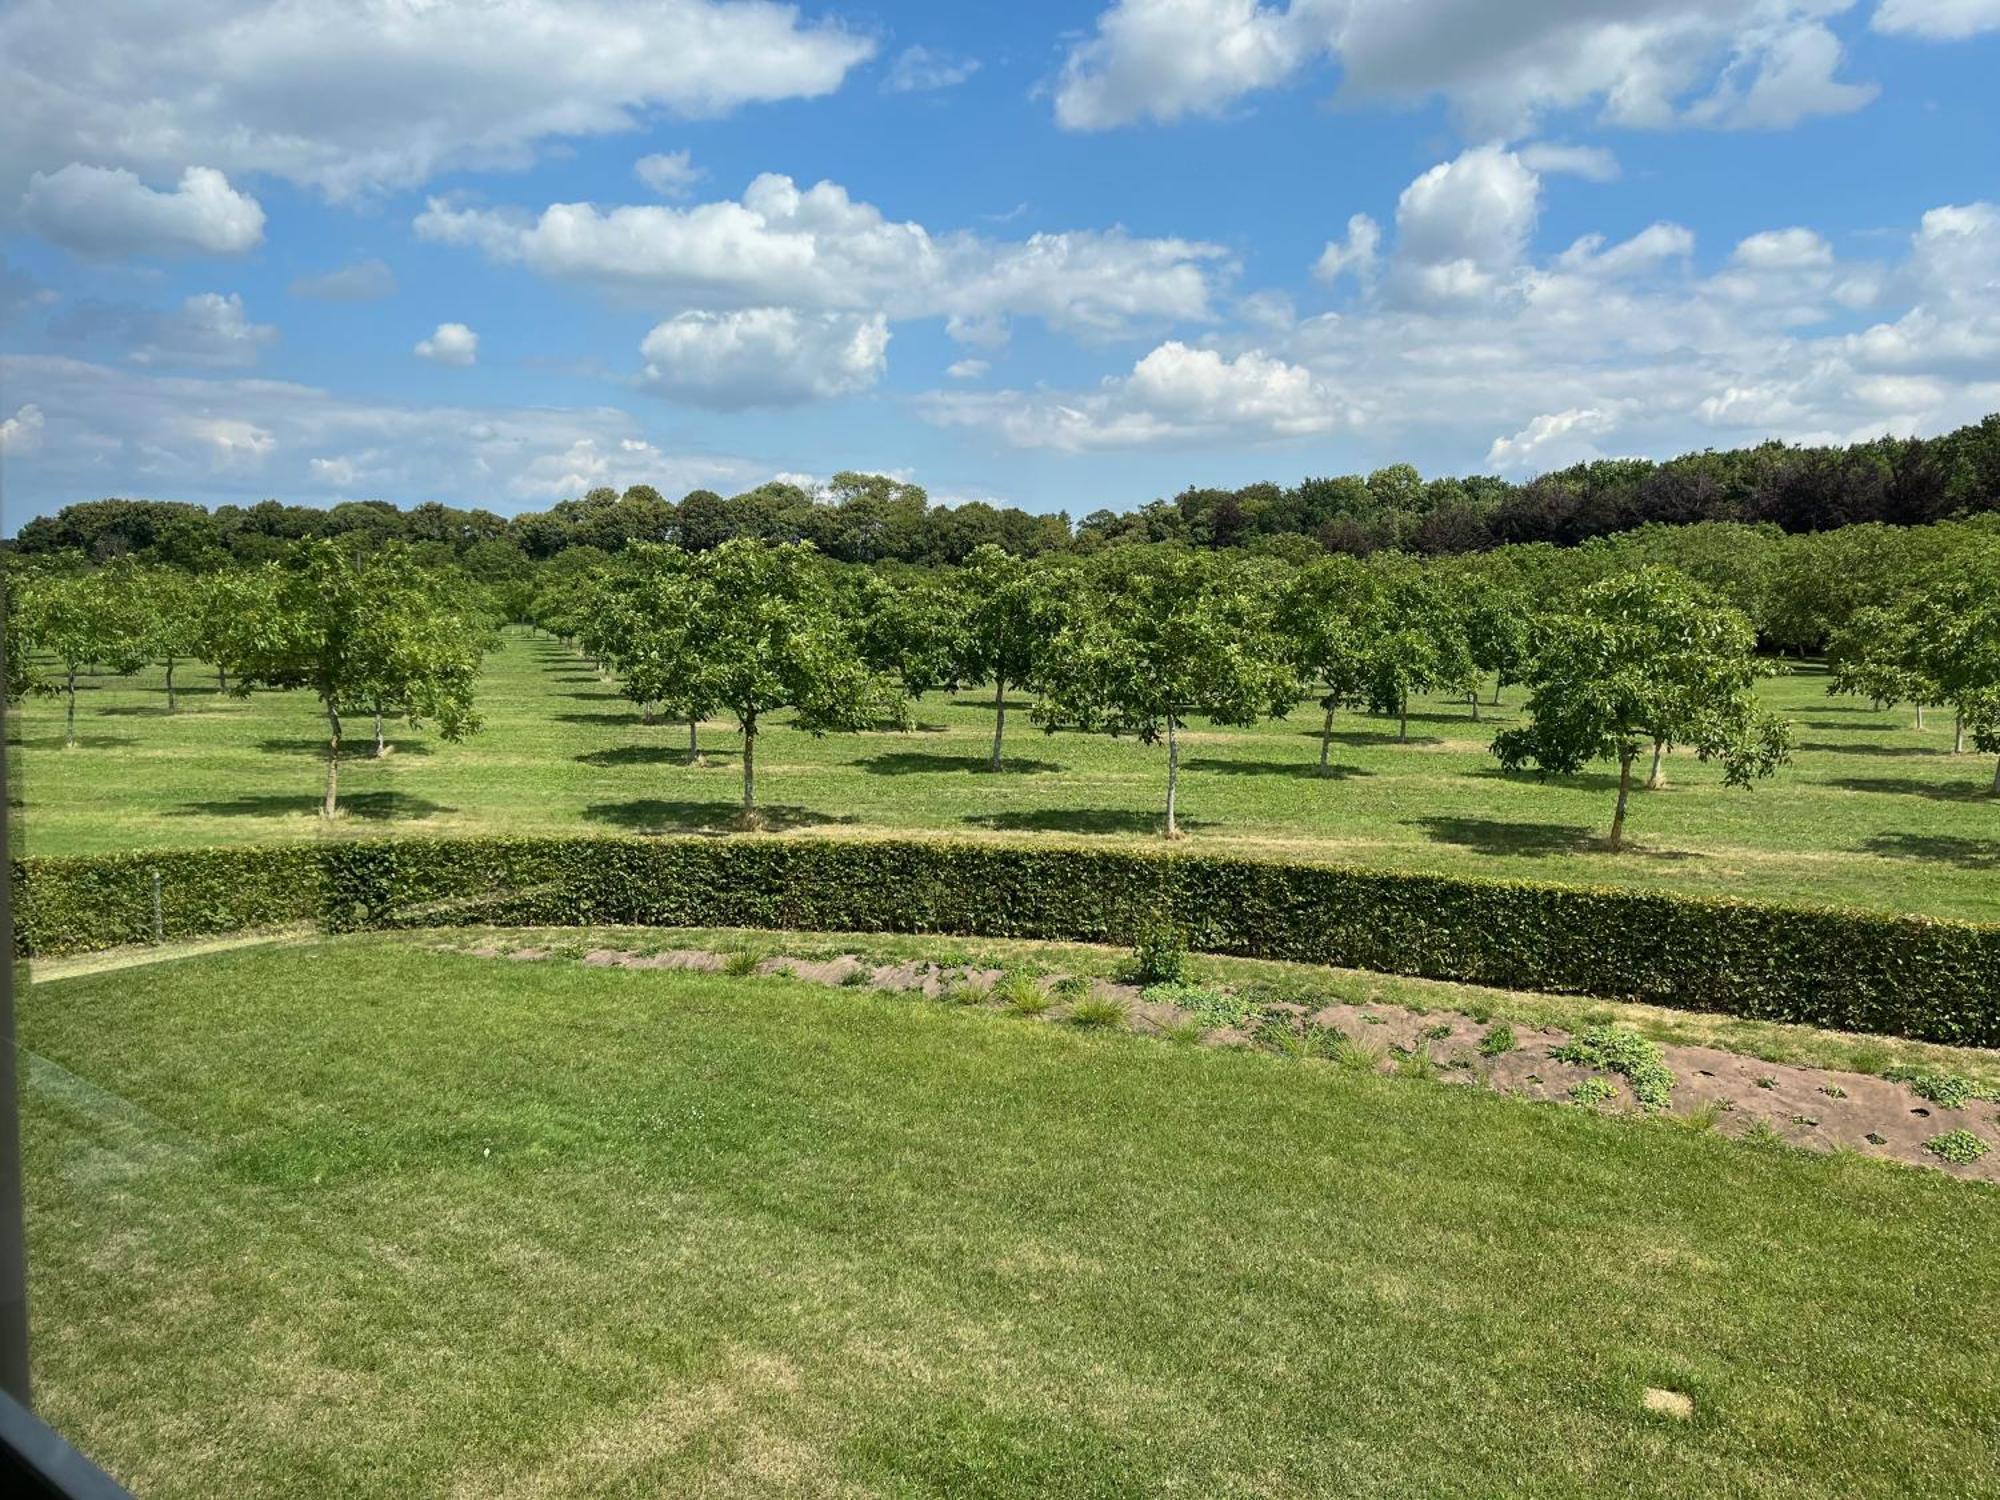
x,y
1142,641
867,518
1618,653
376,635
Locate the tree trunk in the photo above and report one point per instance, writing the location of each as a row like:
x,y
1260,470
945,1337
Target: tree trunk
x,y
1326,743
1173,779
380,748
1473,699
1625,754
222,679
1996,778
69,713
173,703
1920,716
1496,689
1403,714
694,740
1657,777
750,776
1958,733
331,806
999,718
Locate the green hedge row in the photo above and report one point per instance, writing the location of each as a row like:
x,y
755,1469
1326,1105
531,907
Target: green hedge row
x,y
1937,981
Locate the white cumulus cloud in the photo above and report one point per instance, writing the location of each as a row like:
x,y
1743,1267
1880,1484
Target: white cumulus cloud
x,y
357,97
451,344
764,356
109,211
22,433
1176,395
1643,63
671,174
1937,20
817,248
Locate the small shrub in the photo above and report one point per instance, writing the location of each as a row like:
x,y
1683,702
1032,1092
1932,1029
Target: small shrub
x,y
1480,1011
1947,1090
958,992
1437,1031
740,965
1619,1049
1593,1091
1098,1011
855,978
1071,988
1833,1091
1212,1007
1184,1032
1807,1120
1961,1147
1160,955
1767,1081
1498,1041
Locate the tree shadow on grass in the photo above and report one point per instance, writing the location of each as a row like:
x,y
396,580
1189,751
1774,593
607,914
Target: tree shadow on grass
x,y
1896,750
353,746
1530,840
653,815
600,694
1358,738
1970,790
1297,769
83,742
913,762
1583,781
1967,854
376,807
1104,820
1013,704
652,755
631,716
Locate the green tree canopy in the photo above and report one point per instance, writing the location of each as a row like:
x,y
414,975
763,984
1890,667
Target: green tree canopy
x,y
1648,657
362,636
1162,635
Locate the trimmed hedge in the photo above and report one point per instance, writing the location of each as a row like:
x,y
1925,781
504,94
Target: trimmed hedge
x,y
1856,971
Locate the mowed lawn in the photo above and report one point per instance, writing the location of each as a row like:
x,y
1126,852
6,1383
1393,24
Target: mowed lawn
x,y
359,1218
1872,812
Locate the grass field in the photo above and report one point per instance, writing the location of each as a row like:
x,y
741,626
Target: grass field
x,y
360,1218
1871,813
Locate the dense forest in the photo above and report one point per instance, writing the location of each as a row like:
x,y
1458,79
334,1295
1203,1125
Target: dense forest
x,y
869,518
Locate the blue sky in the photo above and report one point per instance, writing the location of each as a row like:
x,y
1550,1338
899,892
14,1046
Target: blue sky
x,y
1057,255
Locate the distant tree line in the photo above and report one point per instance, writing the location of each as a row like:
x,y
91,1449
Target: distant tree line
x,y
871,518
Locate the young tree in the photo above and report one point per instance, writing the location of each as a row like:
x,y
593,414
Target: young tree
x,y
1326,617
169,605
1498,626
1877,655
1646,658
646,619
1417,643
769,634
1163,635
84,620
1953,630
359,636
1014,610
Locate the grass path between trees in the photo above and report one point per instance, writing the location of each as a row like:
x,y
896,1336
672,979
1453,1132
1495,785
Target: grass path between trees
x,y
360,1217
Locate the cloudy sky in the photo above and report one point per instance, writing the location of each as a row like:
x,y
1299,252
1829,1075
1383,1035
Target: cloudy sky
x,y
496,252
